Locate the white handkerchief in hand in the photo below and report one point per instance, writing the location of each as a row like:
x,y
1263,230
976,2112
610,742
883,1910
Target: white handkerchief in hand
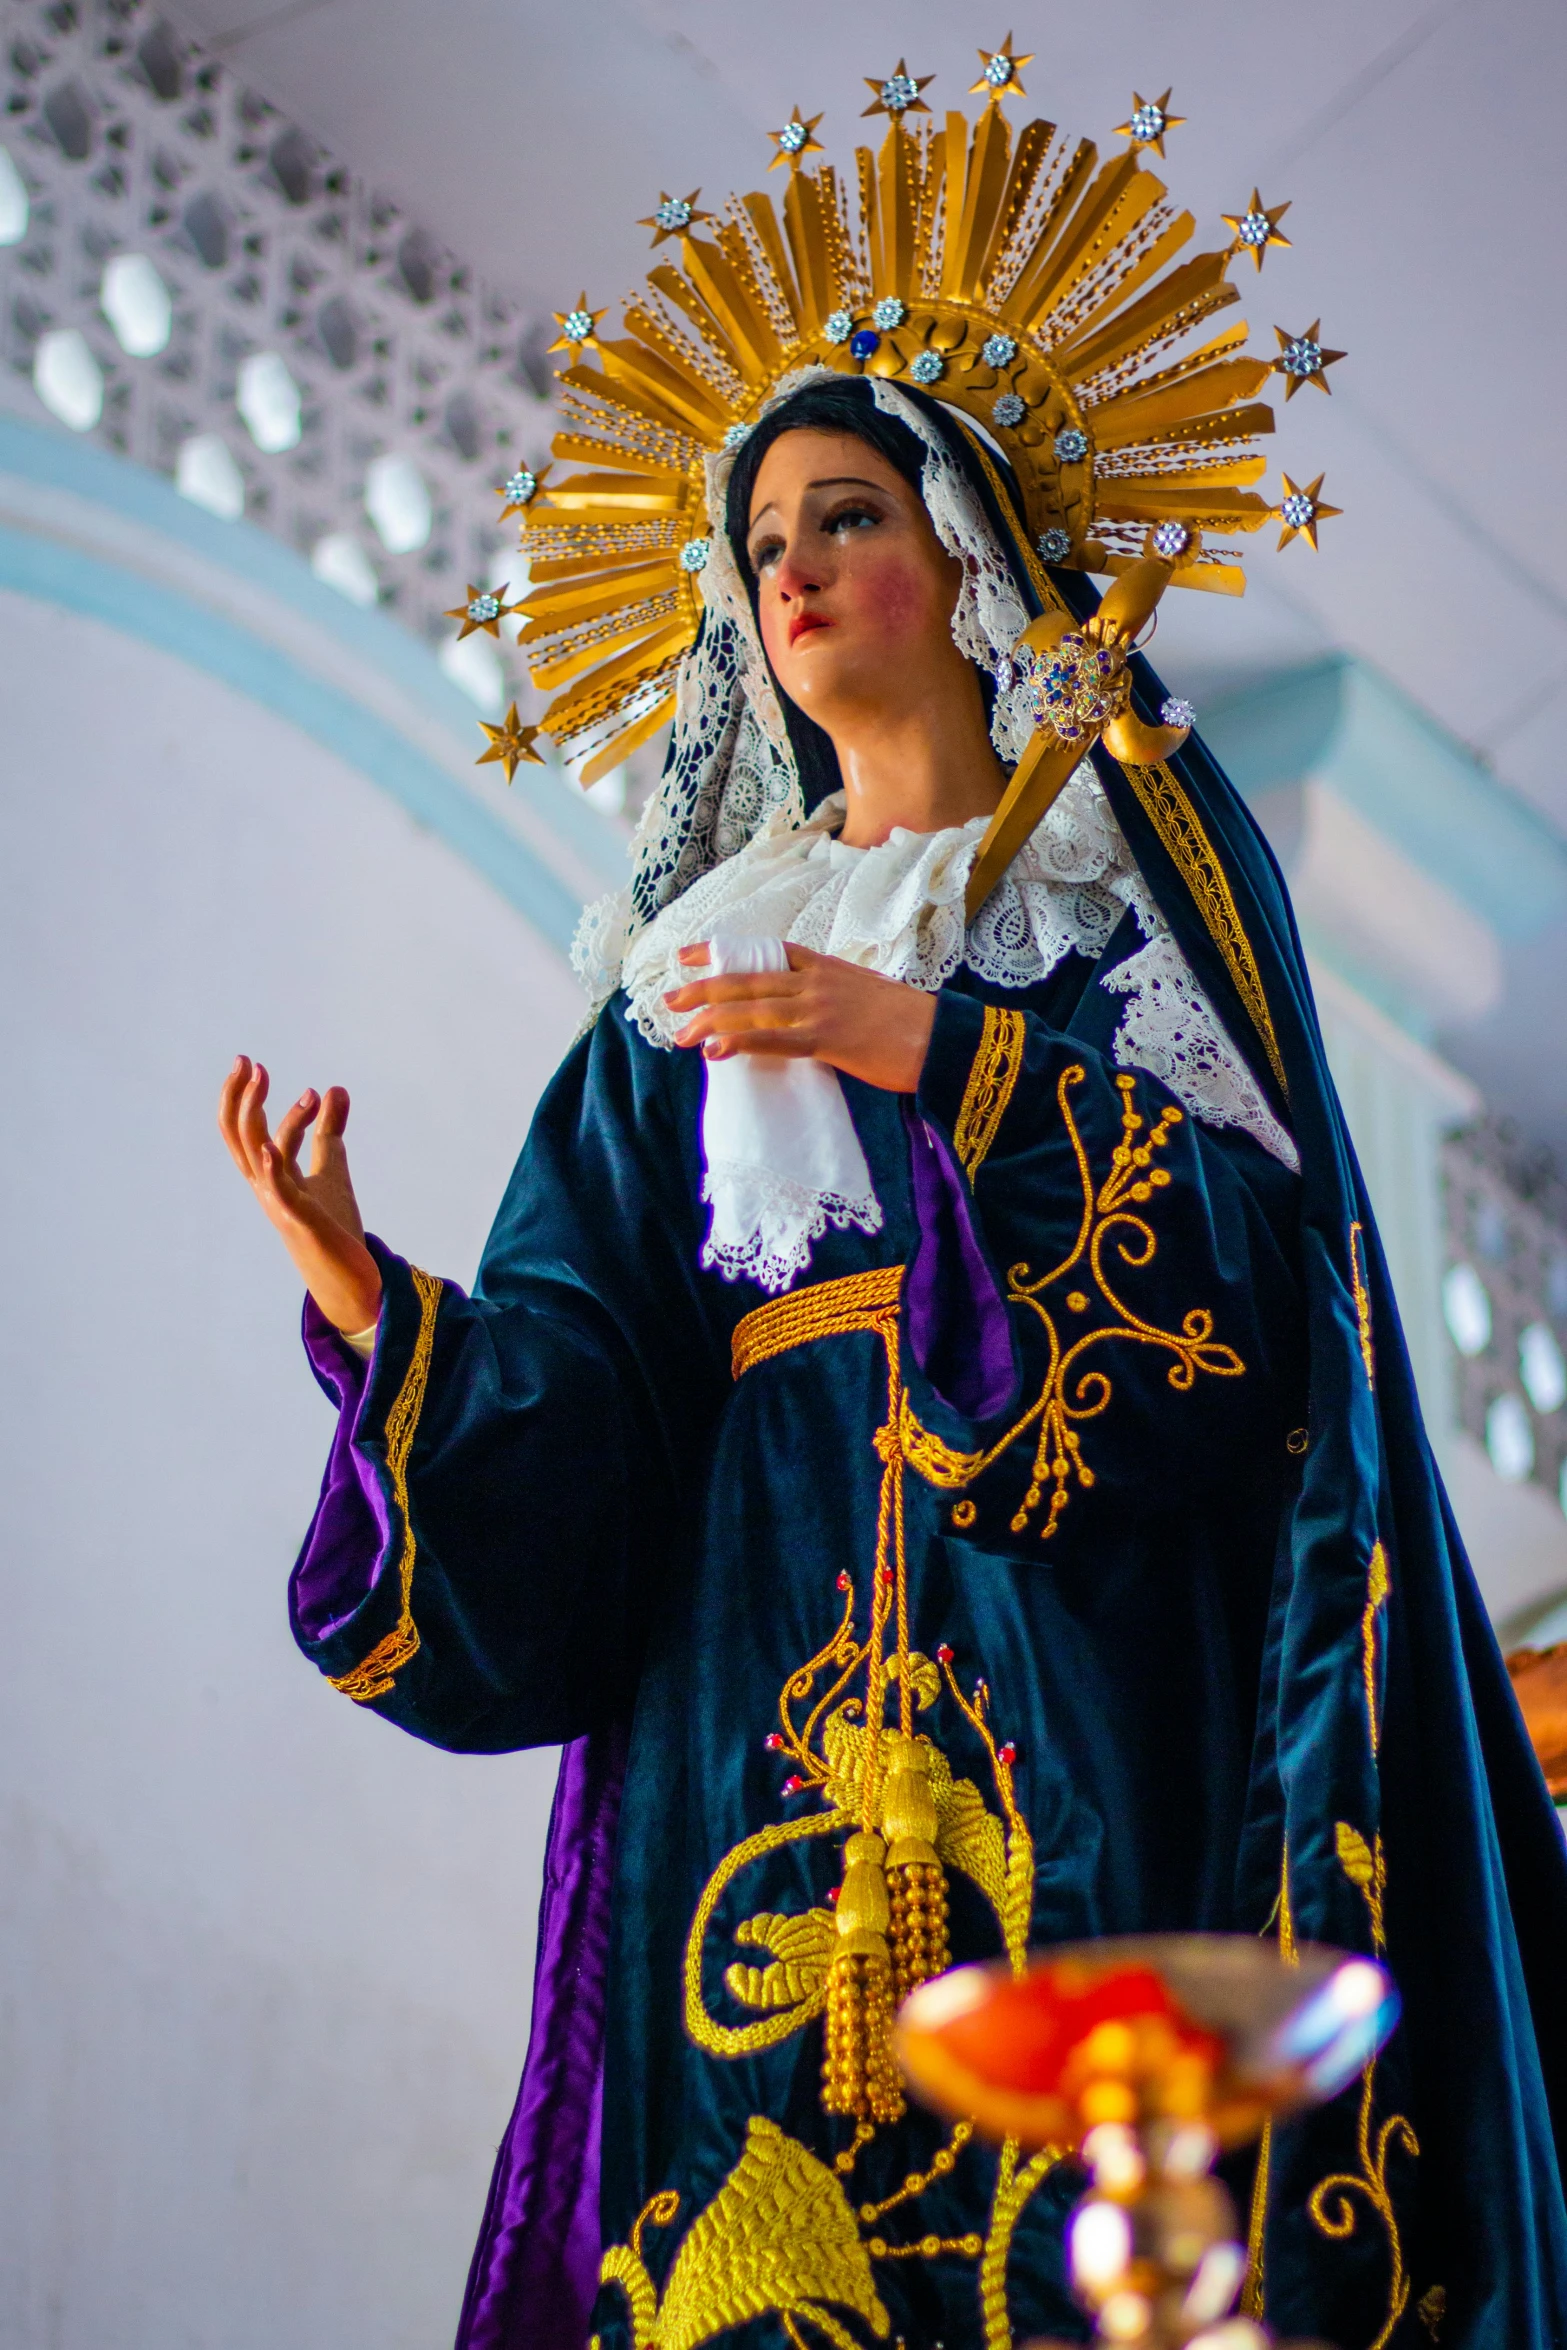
x,y
782,1160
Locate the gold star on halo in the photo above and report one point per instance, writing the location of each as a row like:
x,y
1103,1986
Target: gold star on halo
x,y
566,320
540,473
1167,121
678,228
914,82
511,744
1255,242
1306,530
993,86
794,152
1294,377
474,615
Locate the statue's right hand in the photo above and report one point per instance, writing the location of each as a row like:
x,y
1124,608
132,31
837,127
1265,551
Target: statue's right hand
x,y
316,1214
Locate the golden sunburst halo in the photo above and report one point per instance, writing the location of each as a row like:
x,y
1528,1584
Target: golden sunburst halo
x,y
796,140
1149,122
1047,294
1256,228
999,71
578,328
1302,360
486,608
511,744
899,94
672,216
1300,511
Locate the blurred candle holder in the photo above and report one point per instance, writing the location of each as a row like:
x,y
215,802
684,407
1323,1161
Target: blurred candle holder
x,y
1148,2057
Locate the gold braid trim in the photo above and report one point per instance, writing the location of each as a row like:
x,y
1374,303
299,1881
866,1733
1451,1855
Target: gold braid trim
x,y
991,1084
1180,830
828,1309
1013,2189
1254,2292
375,1676
1357,1275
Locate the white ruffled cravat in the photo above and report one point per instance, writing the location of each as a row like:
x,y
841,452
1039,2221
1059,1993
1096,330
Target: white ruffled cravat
x,y
782,1159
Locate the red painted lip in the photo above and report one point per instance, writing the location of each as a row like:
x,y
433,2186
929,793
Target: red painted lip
x,y
804,622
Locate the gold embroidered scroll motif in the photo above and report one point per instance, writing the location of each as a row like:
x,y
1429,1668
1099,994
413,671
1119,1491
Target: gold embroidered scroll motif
x,y
375,1676
1335,2202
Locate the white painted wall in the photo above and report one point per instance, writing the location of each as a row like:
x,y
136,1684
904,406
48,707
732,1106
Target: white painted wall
x,y
264,1963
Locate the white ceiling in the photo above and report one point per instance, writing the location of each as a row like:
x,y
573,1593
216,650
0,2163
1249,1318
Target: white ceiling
x,y
1422,149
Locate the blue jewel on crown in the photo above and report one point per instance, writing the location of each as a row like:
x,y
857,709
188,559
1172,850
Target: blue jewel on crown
x,y
864,344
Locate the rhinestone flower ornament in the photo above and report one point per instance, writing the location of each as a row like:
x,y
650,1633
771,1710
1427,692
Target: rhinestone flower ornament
x,y
793,137
693,555
1149,122
998,350
1071,445
1302,359
518,491
889,312
1257,227
1300,511
928,367
1174,712
674,212
899,94
1171,539
482,608
839,326
999,73
1009,409
1078,688
1055,545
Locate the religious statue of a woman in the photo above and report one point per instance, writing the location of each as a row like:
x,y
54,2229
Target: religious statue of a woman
x,y
930,1437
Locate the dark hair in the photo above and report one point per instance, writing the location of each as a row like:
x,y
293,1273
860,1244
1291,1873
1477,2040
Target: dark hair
x,y
845,405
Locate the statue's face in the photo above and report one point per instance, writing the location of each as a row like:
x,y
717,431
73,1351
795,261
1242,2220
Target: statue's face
x,y
856,592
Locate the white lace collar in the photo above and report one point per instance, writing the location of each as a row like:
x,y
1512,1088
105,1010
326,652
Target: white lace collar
x,y
898,909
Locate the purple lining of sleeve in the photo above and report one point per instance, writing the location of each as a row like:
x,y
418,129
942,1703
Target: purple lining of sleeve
x,y
535,2270
350,1534
957,1324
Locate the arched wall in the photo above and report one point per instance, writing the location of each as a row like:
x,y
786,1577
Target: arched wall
x,y
264,1963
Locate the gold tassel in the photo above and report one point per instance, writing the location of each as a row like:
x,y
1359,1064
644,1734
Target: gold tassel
x,y
916,1883
860,2076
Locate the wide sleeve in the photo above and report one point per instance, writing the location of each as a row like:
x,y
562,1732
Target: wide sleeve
x,y
509,1471
1121,1273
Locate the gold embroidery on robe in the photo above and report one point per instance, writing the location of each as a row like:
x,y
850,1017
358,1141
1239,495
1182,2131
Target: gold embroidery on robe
x,y
991,1084
375,1676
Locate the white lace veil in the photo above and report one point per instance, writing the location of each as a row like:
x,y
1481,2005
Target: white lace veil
x,y
731,766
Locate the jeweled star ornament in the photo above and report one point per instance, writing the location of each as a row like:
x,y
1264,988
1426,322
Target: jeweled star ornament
x,y
511,744
578,328
673,215
519,489
1302,360
999,73
1148,122
1300,511
899,94
1256,228
486,608
796,140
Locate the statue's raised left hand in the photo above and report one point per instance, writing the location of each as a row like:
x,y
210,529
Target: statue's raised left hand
x,y
820,1009
316,1214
